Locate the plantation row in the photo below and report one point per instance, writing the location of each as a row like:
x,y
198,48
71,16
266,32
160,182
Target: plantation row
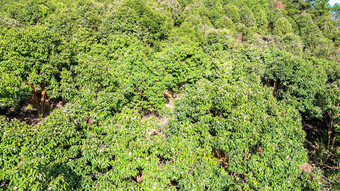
x,y
169,95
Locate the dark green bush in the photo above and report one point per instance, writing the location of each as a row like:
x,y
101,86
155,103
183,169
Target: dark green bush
x,y
247,17
282,27
168,95
225,22
232,12
220,39
261,17
293,43
331,31
15,137
313,38
31,12
182,64
155,23
30,58
246,32
257,140
296,80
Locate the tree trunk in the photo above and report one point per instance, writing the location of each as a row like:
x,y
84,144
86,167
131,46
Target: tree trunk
x,y
330,127
43,99
34,98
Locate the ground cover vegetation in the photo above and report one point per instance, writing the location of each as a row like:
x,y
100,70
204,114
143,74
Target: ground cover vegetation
x,y
169,95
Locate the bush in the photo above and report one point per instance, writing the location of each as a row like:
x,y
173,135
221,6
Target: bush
x,y
232,12
254,137
297,81
14,138
154,22
323,48
31,12
181,65
30,57
309,31
282,27
247,17
220,39
293,44
168,95
12,89
261,18
247,32
225,22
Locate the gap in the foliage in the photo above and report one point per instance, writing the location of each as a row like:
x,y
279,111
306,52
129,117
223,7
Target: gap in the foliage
x,y
171,97
221,157
163,160
174,183
149,114
26,112
162,120
138,178
4,184
314,139
319,153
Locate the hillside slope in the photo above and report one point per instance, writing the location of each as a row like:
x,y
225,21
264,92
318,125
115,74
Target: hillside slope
x,y
169,95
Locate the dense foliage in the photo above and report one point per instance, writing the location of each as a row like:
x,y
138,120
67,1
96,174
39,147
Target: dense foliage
x,y
169,95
